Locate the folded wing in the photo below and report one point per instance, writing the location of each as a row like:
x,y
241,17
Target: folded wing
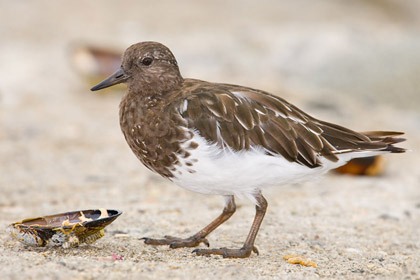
x,y
242,118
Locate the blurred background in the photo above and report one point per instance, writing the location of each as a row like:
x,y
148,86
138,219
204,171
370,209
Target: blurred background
x,y
355,63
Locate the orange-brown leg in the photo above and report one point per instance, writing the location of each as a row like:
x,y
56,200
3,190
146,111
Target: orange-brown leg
x,y
248,246
199,237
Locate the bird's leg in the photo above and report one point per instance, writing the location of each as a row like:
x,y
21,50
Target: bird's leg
x,y
248,246
199,237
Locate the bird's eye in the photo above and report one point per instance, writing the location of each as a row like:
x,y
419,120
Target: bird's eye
x,y
147,61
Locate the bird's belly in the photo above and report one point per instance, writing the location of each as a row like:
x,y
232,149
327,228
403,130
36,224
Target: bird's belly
x,y
212,170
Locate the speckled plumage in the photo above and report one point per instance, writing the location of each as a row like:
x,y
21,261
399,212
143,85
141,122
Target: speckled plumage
x,y
225,139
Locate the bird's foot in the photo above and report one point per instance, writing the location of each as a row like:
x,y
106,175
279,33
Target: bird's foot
x,y
243,252
175,242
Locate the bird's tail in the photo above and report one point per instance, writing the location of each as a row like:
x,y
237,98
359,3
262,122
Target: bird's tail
x,y
387,137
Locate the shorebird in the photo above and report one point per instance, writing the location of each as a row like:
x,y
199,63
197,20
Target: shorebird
x,y
225,139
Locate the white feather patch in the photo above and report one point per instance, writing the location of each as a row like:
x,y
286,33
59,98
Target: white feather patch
x,y
244,173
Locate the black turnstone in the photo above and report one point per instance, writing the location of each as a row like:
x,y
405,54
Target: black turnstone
x,y
226,139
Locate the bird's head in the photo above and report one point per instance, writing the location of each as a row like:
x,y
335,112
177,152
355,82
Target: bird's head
x,y
146,66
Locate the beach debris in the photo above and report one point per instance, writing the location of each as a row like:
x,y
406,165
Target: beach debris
x,y
67,230
296,259
95,63
368,166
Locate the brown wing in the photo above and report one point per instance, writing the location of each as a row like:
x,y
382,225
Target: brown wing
x,y
242,118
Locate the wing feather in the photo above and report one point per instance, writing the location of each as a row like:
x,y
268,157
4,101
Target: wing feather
x,y
242,118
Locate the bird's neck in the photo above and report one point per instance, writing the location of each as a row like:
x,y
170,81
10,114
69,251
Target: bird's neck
x,y
156,89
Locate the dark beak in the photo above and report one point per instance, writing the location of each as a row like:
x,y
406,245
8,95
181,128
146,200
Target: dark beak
x,y
117,77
